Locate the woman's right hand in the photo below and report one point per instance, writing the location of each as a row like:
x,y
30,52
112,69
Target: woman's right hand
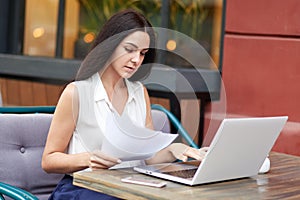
x,y
183,152
100,160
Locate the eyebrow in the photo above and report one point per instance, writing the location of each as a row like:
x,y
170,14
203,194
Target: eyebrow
x,y
130,43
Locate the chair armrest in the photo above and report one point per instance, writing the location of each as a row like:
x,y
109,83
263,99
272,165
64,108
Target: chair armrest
x,y
15,192
27,109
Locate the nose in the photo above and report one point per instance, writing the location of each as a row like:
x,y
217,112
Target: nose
x,y
136,57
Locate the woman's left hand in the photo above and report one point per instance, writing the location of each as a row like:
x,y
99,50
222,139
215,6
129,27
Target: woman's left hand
x,y
183,152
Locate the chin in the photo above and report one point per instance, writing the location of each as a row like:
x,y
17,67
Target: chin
x,y
127,75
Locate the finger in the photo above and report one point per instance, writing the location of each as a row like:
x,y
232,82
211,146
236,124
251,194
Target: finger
x,y
95,166
194,153
103,156
95,160
203,151
182,157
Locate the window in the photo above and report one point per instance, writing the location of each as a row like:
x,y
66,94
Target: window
x,y
60,31
198,19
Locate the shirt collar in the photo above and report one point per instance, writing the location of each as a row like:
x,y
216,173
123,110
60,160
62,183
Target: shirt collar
x,y
100,92
131,90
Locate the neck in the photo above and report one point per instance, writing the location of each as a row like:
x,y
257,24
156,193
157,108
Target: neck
x,y
112,80
116,90
112,83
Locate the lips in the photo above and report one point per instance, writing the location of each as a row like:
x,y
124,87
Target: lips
x,y
129,68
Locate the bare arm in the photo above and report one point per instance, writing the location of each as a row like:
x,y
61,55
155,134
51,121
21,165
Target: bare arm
x,y
62,127
175,150
55,159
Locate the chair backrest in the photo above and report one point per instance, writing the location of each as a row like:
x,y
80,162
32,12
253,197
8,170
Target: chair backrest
x,y
160,121
22,141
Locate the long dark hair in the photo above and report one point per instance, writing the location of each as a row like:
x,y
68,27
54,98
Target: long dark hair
x,y
113,32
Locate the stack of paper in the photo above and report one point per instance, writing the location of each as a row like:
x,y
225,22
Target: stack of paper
x,y
127,141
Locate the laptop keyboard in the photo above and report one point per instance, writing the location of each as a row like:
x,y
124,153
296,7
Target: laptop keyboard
x,y
186,173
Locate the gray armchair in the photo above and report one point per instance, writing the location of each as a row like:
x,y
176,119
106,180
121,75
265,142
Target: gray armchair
x,y
22,140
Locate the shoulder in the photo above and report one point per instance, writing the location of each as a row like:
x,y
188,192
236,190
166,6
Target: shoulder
x,y
68,93
86,82
69,90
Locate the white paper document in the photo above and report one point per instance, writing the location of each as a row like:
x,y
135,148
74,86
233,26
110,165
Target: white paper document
x,y
127,141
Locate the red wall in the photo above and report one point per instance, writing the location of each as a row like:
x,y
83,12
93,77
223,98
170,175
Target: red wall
x,y
261,64
274,17
262,75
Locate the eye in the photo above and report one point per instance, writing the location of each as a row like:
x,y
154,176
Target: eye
x,y
129,50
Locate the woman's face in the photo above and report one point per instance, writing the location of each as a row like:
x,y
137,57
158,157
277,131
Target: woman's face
x,y
130,53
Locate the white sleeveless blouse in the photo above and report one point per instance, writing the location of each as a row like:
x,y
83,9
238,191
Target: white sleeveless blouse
x,y
94,107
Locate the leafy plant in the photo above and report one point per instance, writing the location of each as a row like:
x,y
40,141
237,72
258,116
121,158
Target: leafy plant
x,y
97,12
186,16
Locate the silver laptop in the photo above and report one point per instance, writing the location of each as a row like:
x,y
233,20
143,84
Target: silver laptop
x,y
237,150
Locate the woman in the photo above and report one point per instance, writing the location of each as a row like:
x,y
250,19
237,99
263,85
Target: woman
x,y
107,82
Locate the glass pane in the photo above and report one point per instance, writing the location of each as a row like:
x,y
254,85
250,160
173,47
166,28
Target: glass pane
x,y
94,13
41,26
198,19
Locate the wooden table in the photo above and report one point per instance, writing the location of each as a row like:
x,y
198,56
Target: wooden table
x,y
282,182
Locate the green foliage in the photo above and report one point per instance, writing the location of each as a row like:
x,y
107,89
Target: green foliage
x,y
97,12
186,16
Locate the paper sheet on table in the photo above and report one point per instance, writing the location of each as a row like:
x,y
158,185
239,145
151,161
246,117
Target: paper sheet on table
x,y
127,141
